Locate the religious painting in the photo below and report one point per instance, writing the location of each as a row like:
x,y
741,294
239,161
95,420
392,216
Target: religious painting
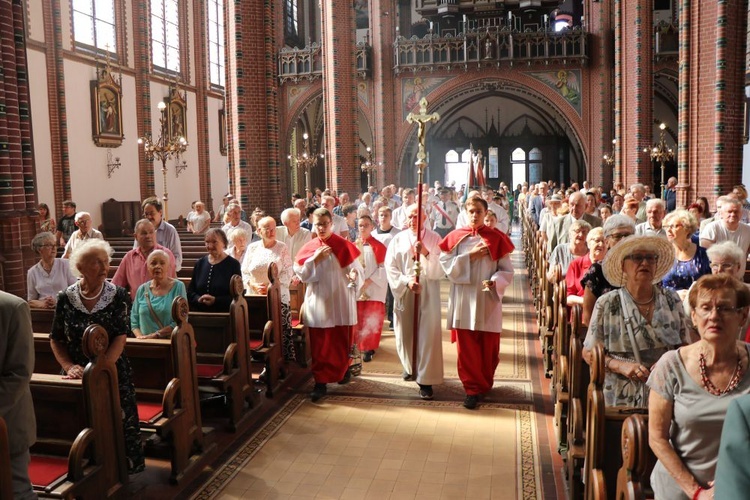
x,y
106,109
414,89
362,13
222,132
493,161
567,83
176,113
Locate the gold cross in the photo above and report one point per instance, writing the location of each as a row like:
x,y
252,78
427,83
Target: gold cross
x,y
422,119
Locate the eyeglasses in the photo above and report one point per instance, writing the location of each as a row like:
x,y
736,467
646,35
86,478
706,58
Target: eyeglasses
x,y
322,224
705,311
721,267
650,258
618,236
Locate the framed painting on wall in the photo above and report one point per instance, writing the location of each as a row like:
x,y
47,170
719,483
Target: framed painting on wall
x,y
176,114
106,109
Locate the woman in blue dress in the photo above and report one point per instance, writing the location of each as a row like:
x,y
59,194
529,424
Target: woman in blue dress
x,y
691,260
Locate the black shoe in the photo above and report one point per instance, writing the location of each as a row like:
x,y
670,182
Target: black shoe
x,y
425,391
471,402
318,392
391,327
367,356
347,378
406,376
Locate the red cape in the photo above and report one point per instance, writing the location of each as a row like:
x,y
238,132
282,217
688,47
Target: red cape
x,y
344,250
498,243
378,249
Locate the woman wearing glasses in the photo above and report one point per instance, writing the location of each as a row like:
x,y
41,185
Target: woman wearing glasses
x,y
692,261
692,387
639,322
49,276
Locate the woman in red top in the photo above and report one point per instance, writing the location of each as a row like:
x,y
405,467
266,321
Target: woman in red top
x,y
597,250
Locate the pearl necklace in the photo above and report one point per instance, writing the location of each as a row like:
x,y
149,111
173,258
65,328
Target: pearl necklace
x,y
733,382
85,297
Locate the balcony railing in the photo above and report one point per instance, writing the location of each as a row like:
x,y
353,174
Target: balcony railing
x,y
490,48
307,63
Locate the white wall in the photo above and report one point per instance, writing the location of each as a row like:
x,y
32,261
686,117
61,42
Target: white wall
x,y
219,162
41,131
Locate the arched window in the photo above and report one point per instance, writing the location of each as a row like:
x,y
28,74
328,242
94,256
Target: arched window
x,y
291,19
535,165
216,52
94,24
165,34
518,165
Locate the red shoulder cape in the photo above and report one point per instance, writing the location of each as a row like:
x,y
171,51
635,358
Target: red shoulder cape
x,y
344,250
498,243
378,249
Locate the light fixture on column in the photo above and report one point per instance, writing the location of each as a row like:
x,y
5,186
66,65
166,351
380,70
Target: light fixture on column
x,y
306,160
163,149
661,153
370,167
113,163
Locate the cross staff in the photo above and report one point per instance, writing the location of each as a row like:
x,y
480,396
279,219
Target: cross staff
x,y
421,119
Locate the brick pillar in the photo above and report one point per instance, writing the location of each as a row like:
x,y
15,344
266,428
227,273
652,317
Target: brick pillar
x,y
252,107
634,61
200,42
142,64
18,219
711,110
598,113
385,106
340,95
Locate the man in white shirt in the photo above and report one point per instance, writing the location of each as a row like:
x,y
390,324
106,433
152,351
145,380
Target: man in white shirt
x,y
728,228
84,232
399,215
340,226
384,233
199,220
234,213
291,234
166,234
655,212
445,214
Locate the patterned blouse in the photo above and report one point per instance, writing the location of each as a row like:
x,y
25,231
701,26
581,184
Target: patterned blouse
x,y
255,266
595,280
609,328
685,272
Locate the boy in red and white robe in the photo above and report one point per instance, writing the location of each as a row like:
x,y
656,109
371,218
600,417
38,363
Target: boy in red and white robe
x,y
476,258
329,264
371,298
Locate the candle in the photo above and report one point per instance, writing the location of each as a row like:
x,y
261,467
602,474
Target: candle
x,y
546,18
510,16
464,18
430,25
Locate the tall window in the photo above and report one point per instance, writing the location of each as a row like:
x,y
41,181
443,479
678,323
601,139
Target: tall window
x,y
291,19
165,34
94,24
518,163
535,165
216,42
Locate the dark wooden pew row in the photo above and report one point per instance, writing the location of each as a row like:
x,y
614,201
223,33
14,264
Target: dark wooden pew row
x,y
6,481
603,428
41,320
166,381
223,356
638,460
578,382
80,448
560,381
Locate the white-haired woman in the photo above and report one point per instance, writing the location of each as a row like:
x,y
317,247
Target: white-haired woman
x,y
151,315
91,300
237,238
692,261
597,246
49,276
564,254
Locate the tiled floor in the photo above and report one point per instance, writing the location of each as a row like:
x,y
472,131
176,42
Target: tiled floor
x,y
375,439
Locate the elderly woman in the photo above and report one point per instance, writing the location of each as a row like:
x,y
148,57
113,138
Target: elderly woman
x,y
198,221
151,315
49,276
291,234
692,387
47,223
565,253
597,246
95,300
209,288
630,208
255,275
692,261
237,238
639,322
594,282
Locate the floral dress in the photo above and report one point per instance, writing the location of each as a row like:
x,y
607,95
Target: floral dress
x,y
685,272
609,328
111,312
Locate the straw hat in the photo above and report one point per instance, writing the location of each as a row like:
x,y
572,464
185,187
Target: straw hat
x,y
612,265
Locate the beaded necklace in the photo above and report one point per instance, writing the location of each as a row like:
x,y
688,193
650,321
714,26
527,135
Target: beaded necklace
x,y
733,382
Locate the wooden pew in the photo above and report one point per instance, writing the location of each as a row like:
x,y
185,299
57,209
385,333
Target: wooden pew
x,y
166,382
223,355
603,427
578,382
264,315
560,381
80,448
6,481
41,319
638,460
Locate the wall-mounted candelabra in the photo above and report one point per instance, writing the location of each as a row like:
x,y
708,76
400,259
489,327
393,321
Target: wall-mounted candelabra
x,y
661,153
113,163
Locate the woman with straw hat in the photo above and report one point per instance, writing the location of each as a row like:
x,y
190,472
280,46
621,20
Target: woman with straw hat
x,y
637,323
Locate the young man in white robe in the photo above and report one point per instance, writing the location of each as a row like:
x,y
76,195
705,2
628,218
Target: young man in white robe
x,y
476,260
371,298
330,267
399,265
384,233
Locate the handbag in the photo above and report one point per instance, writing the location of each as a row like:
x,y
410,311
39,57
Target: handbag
x,y
151,310
629,327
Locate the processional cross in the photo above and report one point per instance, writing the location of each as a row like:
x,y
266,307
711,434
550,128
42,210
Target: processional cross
x,y
421,119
